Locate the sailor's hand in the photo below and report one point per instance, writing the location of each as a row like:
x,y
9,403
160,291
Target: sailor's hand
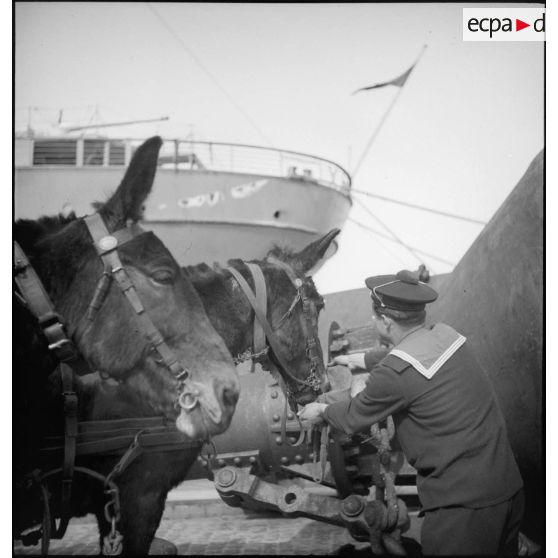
x,y
354,361
313,413
343,360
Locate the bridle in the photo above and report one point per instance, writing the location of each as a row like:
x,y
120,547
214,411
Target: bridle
x,y
266,338
107,245
34,296
265,335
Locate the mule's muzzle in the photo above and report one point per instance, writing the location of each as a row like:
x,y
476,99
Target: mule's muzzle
x,y
216,401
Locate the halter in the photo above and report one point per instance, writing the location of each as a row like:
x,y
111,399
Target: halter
x,y
107,245
34,296
267,332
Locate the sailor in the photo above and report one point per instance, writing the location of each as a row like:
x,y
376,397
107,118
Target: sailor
x,y
447,421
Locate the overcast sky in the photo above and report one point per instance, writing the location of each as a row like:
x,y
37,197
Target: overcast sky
x,y
464,129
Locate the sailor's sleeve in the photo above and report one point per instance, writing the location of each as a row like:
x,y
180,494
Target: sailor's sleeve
x,y
335,396
374,356
382,396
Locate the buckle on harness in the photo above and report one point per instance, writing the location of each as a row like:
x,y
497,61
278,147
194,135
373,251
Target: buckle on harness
x,y
48,319
58,344
20,266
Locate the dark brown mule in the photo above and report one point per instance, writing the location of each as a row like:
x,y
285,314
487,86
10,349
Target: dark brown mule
x,y
143,493
62,253
293,325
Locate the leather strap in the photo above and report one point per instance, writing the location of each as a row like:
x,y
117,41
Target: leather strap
x,y
70,433
107,442
37,300
40,305
286,408
314,355
107,244
296,281
261,300
31,287
270,334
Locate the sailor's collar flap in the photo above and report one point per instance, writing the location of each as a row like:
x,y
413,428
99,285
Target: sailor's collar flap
x,y
428,350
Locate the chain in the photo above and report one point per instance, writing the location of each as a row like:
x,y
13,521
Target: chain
x,y
249,355
112,543
314,380
381,437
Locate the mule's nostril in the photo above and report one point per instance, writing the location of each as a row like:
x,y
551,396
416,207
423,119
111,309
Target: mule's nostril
x,y
229,397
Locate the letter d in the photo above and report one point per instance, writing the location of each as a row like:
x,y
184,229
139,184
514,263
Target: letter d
x,y
538,25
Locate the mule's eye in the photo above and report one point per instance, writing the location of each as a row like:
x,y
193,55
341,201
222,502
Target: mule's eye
x,y
164,276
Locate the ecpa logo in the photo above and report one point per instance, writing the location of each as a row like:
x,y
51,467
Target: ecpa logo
x,y
503,24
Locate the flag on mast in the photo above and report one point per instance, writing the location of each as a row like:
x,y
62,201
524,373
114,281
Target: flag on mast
x,y
398,81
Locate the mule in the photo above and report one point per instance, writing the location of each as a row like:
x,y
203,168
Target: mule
x,y
293,324
143,493
176,366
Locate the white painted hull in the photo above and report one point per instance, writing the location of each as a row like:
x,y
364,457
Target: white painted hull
x,y
200,215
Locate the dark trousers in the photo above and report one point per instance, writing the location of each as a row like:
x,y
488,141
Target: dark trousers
x,y
489,531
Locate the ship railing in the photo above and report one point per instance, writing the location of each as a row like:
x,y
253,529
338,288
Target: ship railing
x,y
185,155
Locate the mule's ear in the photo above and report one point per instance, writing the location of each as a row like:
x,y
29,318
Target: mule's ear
x,y
126,203
310,256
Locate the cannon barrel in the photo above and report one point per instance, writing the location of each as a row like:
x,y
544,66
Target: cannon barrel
x,y
255,436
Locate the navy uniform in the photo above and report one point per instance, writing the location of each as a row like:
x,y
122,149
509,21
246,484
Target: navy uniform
x,y
449,426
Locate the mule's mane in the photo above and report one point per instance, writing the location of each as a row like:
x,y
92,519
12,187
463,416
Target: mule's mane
x,y
204,275
29,232
56,246
282,253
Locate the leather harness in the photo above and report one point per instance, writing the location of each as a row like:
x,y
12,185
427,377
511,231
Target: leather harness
x,y
263,331
95,437
136,435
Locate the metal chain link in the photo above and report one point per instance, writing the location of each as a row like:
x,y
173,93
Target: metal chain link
x,y
112,543
249,355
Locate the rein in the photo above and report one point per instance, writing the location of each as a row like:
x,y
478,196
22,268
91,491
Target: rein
x,y
92,437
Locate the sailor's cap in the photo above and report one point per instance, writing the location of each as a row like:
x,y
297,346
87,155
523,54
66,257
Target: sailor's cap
x,y
402,291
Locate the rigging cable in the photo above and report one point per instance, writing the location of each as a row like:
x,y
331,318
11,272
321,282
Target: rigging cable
x,y
412,205
378,233
209,74
394,255
395,237
400,86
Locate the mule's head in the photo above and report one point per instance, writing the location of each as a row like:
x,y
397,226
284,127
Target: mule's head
x,y
114,339
294,306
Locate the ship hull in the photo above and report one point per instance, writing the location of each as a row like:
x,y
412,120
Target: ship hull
x,y
200,215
